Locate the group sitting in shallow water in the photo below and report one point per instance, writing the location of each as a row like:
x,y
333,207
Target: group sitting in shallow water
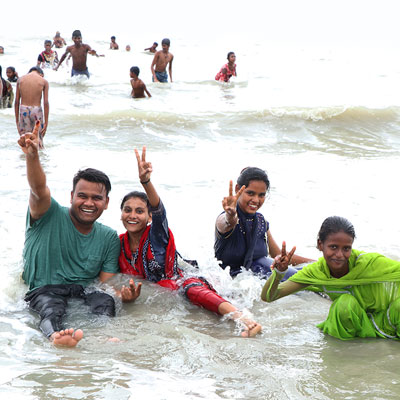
x,y
74,250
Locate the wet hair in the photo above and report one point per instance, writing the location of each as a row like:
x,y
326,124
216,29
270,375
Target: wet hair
x,y
334,225
166,41
37,69
47,42
229,54
112,37
252,174
12,69
135,70
136,195
92,175
76,33
155,43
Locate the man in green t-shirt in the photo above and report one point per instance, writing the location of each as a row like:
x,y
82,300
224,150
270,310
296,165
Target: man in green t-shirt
x,y
66,249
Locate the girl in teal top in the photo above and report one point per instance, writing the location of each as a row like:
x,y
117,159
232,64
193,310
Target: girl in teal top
x,y
364,287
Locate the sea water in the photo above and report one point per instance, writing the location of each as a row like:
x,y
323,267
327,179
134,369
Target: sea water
x,y
316,106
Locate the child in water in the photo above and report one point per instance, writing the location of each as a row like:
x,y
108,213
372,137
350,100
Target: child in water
x,y
364,287
138,86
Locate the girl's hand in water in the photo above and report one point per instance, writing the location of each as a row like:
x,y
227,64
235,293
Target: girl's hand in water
x,y
229,203
282,261
145,168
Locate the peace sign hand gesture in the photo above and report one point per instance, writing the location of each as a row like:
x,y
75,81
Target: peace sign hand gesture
x,y
145,168
229,203
282,261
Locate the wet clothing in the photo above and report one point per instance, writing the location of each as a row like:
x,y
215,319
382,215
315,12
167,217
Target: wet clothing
x,y
59,262
225,76
49,59
50,302
156,260
77,72
56,252
246,245
366,301
28,115
7,95
161,76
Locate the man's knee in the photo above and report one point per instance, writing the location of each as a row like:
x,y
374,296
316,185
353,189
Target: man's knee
x,y
101,303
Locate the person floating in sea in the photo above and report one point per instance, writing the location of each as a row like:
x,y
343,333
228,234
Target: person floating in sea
x,y
6,93
12,75
364,287
31,90
128,47
148,250
79,52
228,70
67,249
58,41
138,86
47,58
242,235
153,48
113,44
160,61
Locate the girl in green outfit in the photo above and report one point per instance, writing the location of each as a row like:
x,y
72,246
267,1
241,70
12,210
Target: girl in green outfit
x,y
364,287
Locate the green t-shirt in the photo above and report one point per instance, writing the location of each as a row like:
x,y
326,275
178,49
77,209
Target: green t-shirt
x,y
56,252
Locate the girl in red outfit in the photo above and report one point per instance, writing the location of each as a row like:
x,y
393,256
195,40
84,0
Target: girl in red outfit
x,y
148,250
228,70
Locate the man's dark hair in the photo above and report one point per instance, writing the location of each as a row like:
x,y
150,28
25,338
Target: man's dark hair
x,y
76,33
112,37
166,41
47,42
92,175
135,70
37,69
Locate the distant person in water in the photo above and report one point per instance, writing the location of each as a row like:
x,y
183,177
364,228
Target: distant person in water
x,y
1,50
153,48
58,41
47,58
243,239
6,94
31,90
128,48
228,70
161,60
12,75
79,52
113,44
138,86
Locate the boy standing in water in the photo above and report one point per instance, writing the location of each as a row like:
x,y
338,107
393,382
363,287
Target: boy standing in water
x,y
58,41
48,57
138,86
160,61
113,44
66,249
31,88
79,52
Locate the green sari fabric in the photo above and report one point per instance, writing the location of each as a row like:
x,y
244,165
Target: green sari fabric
x,y
361,298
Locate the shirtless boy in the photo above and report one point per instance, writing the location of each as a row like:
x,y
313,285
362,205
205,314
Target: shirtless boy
x,y
138,86
113,44
160,61
58,41
153,48
31,88
47,58
79,52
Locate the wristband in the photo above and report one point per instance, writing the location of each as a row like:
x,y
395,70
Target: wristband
x,y
145,182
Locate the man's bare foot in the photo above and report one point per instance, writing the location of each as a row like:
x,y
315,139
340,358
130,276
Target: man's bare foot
x,y
66,338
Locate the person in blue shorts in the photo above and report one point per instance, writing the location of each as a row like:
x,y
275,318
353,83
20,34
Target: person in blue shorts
x,y
161,60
